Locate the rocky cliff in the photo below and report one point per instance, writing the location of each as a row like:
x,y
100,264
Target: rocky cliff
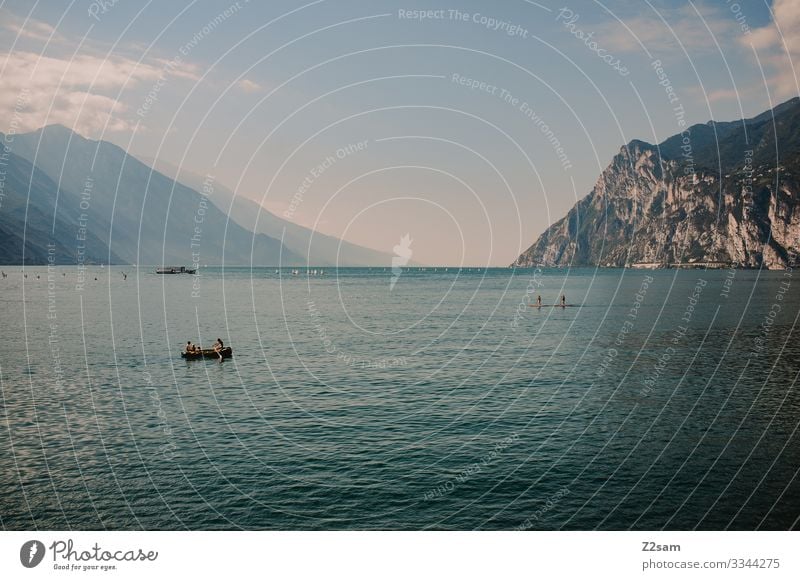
x,y
718,194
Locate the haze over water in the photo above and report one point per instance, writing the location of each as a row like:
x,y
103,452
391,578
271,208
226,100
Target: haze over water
x,y
439,404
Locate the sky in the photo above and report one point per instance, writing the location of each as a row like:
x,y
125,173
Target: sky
x,y
470,126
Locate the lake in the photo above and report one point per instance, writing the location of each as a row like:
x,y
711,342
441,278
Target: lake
x,y
440,400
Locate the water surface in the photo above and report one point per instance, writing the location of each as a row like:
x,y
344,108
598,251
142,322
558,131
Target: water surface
x,y
660,399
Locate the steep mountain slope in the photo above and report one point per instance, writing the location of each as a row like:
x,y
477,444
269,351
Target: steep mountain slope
x,y
314,247
37,221
727,196
142,215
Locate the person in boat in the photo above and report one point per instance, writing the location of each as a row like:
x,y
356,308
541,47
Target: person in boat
x,y
190,347
218,346
563,300
539,301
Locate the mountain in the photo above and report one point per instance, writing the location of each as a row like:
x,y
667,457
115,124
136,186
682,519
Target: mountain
x,y
143,216
728,195
37,220
316,248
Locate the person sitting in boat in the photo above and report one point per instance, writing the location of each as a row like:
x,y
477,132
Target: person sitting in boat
x,y
190,347
218,346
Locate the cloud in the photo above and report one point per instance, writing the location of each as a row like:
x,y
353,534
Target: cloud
x,y
248,86
78,93
31,28
778,47
185,70
744,92
48,79
681,28
717,95
776,44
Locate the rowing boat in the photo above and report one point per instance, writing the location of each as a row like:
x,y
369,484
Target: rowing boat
x,y
226,352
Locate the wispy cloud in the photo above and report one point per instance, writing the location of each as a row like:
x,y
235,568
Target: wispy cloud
x,y
248,86
89,91
718,95
186,70
668,30
778,47
27,28
78,93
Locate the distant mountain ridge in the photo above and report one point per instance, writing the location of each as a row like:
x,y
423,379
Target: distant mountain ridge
x,y
314,247
140,215
729,197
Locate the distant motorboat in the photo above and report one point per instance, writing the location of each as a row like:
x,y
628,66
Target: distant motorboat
x,y
175,270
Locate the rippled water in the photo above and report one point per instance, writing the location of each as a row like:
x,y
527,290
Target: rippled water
x,y
443,403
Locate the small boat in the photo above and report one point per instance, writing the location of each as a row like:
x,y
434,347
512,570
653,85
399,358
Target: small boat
x,y
226,352
175,270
